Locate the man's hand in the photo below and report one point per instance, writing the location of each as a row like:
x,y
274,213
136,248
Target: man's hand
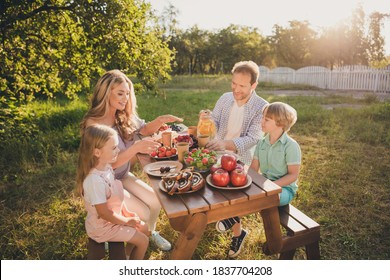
x,y
216,145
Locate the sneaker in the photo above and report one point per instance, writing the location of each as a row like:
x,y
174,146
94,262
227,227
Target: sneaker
x,y
160,241
225,225
237,242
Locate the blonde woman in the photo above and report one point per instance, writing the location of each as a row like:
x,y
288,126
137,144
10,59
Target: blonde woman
x,y
114,104
108,218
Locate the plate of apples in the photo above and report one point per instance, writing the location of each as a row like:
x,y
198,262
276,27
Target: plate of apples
x,y
228,174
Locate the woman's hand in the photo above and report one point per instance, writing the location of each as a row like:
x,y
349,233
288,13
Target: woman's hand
x,y
154,125
146,146
168,118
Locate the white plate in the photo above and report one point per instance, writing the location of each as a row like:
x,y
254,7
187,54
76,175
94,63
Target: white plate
x,y
153,168
229,187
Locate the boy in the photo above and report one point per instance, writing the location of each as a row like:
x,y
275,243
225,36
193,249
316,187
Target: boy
x,y
277,156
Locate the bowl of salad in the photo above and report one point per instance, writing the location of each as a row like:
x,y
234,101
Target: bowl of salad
x,y
200,158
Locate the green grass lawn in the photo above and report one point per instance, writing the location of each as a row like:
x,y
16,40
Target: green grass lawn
x,y
343,185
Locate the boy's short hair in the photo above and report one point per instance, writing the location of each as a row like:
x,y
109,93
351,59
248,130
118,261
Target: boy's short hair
x,y
283,114
248,67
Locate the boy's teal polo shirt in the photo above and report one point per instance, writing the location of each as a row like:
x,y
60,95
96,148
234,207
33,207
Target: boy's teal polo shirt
x,y
274,158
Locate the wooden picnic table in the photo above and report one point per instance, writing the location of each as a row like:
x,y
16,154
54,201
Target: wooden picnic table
x,y
190,213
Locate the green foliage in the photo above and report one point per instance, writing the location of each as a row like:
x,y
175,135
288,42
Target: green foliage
x,y
205,52
38,132
296,45
56,48
292,45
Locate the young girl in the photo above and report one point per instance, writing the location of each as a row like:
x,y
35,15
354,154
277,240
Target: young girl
x,y
107,219
114,104
277,157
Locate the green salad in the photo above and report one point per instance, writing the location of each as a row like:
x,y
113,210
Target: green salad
x,y
202,159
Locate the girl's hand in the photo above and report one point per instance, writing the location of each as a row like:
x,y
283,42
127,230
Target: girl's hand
x,y
133,222
142,227
127,213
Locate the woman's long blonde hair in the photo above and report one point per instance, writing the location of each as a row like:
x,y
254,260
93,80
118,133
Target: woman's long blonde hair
x,y
99,104
94,137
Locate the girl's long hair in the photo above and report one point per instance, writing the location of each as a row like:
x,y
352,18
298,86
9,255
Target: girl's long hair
x,y
99,104
94,137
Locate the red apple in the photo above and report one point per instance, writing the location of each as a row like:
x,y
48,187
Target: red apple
x,y
220,178
228,162
215,167
238,177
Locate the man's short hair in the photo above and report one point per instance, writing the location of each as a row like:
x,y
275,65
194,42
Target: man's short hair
x,y
248,67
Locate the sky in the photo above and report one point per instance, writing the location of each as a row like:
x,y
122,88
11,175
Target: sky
x,y
264,14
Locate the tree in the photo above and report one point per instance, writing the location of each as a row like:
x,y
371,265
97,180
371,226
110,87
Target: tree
x,y
54,47
376,41
200,51
331,48
292,45
357,41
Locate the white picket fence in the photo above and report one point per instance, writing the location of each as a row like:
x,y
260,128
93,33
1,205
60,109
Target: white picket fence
x,y
352,77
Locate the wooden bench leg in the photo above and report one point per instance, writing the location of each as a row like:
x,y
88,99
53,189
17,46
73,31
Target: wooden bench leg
x,y
288,255
96,250
313,251
116,251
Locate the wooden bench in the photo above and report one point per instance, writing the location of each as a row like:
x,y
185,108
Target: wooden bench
x,y
301,231
97,251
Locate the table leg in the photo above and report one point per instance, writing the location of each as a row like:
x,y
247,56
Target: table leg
x,y
185,246
272,230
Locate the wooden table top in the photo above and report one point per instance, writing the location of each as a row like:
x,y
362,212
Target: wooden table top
x,y
210,198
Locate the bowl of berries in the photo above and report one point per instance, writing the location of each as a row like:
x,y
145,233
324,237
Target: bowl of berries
x,y
164,153
184,138
200,158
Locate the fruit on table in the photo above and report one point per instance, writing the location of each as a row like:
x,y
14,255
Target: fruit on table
x,y
163,152
165,169
200,158
220,178
228,162
190,139
215,167
163,127
238,177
